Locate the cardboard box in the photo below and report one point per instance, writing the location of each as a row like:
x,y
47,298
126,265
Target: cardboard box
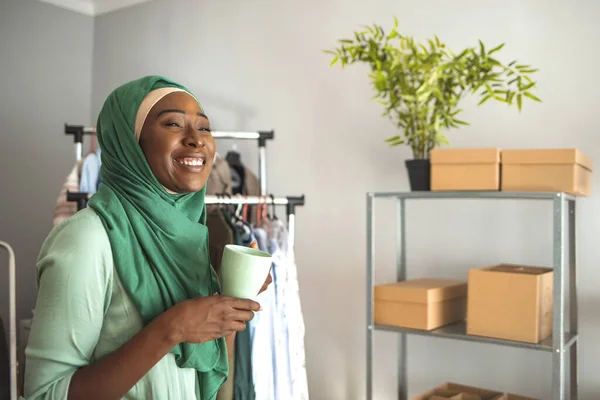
x,y
465,169
421,303
508,396
547,170
510,302
456,391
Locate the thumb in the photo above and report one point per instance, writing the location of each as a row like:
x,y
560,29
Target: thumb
x,y
254,245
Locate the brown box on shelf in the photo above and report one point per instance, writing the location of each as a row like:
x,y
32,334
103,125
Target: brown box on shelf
x,y
547,170
455,391
465,169
508,396
424,304
510,302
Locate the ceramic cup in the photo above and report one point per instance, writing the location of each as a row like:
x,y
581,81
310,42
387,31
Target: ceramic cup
x,y
244,271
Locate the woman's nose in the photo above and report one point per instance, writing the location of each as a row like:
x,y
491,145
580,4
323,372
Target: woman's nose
x,y
194,139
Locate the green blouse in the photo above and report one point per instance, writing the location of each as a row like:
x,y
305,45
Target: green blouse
x,y
83,313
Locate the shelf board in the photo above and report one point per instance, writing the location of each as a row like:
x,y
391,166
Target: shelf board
x,y
474,195
458,331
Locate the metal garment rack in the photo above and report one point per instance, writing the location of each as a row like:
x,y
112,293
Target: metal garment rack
x,y
291,202
565,330
12,323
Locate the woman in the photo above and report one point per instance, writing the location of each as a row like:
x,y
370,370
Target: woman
x,y
128,304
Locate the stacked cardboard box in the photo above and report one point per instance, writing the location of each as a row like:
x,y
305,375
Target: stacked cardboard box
x,y
505,301
523,170
455,391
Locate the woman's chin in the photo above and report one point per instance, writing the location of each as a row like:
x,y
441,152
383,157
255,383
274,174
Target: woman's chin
x,y
184,188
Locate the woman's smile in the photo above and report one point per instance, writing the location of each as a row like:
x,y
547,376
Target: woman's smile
x,y
194,162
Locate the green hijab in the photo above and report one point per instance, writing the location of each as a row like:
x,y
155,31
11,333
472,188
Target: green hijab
x,y
159,241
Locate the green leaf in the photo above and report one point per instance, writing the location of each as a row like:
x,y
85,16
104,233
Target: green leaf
x,y
495,49
335,60
346,41
485,98
458,121
531,96
393,139
481,47
395,21
511,96
519,101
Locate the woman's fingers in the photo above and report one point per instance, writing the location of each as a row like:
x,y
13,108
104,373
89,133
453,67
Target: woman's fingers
x,y
245,304
242,316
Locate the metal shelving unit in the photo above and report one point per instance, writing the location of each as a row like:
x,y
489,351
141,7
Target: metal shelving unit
x,y
565,331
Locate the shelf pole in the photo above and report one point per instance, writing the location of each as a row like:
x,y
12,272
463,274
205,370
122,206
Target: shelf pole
x,y
370,280
558,316
573,305
401,276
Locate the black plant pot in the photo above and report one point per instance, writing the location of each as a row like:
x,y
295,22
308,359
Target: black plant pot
x,y
419,174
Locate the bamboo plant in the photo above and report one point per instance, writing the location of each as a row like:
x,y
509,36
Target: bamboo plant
x,y
421,85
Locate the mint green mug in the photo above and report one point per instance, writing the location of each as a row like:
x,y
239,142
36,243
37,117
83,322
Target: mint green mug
x,y
244,271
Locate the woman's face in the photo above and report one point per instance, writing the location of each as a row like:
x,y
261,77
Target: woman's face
x,y
178,144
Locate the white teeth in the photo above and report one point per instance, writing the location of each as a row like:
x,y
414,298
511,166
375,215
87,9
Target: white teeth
x,y
194,162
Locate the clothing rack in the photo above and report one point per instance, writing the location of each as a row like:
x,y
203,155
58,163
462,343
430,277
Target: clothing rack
x,y
78,131
262,137
12,323
291,202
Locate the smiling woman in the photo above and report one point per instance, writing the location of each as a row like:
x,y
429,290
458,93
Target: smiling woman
x,y
128,304
178,144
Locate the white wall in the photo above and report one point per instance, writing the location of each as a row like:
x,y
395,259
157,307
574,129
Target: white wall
x,y
45,81
258,65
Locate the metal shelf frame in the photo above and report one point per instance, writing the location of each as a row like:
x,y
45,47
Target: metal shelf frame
x,y
564,340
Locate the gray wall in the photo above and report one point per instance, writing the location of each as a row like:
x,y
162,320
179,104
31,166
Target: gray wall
x,y
258,64
45,81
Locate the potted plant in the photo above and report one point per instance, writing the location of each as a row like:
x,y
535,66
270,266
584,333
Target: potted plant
x,y
421,86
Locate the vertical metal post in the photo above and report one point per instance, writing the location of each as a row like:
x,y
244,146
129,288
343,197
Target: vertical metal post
x,y
78,151
291,236
558,333
262,168
401,276
370,280
12,323
573,305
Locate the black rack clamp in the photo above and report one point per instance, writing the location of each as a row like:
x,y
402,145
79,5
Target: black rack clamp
x,y
293,202
78,131
80,197
263,136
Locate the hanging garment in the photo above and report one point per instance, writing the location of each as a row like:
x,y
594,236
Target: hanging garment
x,y
289,329
63,208
243,381
261,335
243,181
219,180
90,172
220,234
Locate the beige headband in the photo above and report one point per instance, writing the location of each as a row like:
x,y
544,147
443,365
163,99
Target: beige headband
x,y
149,101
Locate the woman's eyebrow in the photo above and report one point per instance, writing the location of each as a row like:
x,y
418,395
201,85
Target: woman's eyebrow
x,y
174,110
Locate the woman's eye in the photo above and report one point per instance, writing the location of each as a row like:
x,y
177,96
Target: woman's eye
x,y
204,129
174,124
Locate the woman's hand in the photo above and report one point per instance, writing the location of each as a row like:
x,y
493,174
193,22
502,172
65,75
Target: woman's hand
x,y
207,318
269,279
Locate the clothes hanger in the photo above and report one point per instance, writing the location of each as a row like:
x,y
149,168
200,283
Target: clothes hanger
x,y
273,217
